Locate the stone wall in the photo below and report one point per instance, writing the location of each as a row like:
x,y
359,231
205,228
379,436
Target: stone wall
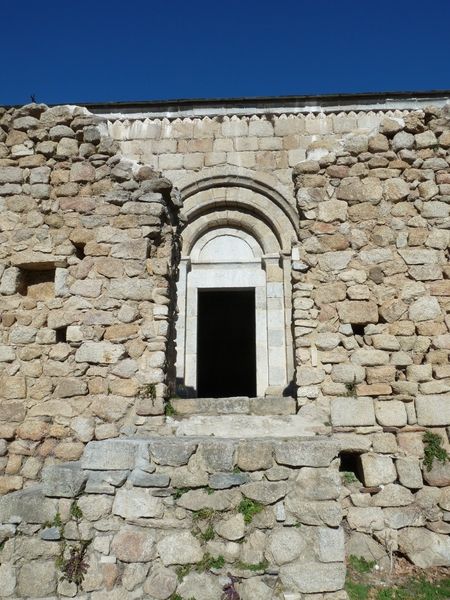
x,y
372,320
185,517
89,245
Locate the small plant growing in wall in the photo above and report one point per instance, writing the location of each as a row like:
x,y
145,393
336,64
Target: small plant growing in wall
x,y
148,390
433,450
249,508
71,560
229,589
350,387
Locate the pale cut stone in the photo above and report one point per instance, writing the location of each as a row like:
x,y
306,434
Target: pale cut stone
x,y
368,519
409,472
356,311
377,469
134,544
99,352
180,548
424,309
331,544
285,545
332,210
313,453
137,503
65,481
392,495
354,412
433,410
161,583
37,579
110,455
265,492
231,529
391,413
313,577
425,548
7,579
201,586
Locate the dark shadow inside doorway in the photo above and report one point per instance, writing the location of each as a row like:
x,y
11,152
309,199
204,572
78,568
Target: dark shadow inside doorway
x,y
226,343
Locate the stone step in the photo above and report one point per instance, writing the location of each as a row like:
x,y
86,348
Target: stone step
x,y
239,405
247,426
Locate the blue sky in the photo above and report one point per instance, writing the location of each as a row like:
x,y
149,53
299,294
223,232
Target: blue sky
x,y
79,51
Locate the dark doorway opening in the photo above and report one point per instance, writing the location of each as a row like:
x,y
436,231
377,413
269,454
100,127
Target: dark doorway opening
x,y
226,343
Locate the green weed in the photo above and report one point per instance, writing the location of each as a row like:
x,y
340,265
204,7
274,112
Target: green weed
x,y
433,449
360,564
249,508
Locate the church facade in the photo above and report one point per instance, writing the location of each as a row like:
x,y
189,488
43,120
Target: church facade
x,y
215,305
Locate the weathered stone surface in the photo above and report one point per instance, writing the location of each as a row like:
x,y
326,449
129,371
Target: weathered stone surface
x,y
29,505
254,456
174,452
232,528
391,413
7,579
365,518
99,352
305,454
200,586
37,579
433,409
392,495
179,548
285,545
63,480
313,577
377,469
409,472
266,492
110,455
222,481
352,412
424,548
315,513
134,544
331,544
136,503
438,475
220,500
424,309
161,583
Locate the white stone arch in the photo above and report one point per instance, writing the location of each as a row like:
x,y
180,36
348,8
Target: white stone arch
x,y
258,232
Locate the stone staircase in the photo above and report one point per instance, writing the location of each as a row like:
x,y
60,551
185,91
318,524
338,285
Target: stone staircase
x,y
241,417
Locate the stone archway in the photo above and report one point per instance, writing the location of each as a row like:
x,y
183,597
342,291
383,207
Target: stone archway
x,y
237,239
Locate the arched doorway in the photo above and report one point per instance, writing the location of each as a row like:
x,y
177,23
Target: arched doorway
x,y
234,296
